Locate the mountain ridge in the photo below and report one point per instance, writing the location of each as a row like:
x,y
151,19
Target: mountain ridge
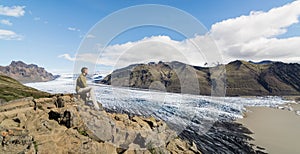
x,y
242,78
26,72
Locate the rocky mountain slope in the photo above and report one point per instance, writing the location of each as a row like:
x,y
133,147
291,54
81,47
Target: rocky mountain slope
x,y
241,78
11,89
63,124
26,73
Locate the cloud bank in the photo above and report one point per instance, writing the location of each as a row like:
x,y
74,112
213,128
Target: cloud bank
x,y
9,35
6,22
255,36
13,11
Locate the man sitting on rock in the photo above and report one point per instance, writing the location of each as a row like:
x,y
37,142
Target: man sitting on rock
x,y
82,89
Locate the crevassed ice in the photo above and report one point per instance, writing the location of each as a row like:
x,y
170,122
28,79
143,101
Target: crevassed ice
x,y
163,105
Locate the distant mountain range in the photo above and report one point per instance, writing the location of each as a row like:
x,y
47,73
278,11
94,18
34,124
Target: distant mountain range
x,y
242,78
26,72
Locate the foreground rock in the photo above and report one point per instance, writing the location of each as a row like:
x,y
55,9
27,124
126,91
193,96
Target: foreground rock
x,y
26,72
222,136
63,124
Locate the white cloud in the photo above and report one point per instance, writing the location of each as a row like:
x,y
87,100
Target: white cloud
x,y
249,37
90,36
73,29
36,18
66,56
6,22
154,48
9,35
13,11
255,36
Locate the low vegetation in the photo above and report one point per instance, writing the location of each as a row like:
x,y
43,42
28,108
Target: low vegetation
x,y
11,89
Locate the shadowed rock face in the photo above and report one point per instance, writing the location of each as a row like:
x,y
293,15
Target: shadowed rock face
x,y
40,125
242,78
26,73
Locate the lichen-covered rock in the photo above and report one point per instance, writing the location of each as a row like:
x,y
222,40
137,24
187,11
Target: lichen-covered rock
x,y
141,122
40,127
179,146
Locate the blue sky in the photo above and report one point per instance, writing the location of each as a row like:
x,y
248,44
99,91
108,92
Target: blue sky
x,y
47,29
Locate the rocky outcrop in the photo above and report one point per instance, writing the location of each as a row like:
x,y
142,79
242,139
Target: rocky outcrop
x,y
26,73
241,78
244,78
66,125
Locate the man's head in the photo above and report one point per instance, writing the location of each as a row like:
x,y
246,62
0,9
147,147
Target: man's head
x,y
84,70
